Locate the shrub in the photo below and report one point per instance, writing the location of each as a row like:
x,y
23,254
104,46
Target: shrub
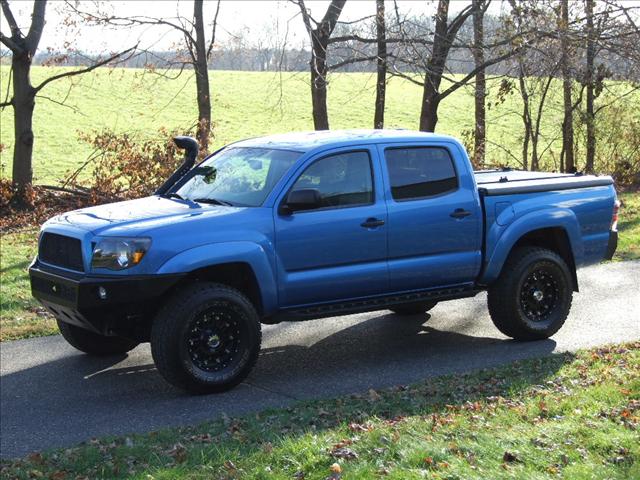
x,y
124,166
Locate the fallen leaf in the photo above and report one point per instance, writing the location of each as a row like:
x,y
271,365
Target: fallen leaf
x,y
373,395
230,466
178,453
345,453
36,458
510,457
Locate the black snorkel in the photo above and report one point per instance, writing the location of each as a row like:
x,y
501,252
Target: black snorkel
x,y
191,148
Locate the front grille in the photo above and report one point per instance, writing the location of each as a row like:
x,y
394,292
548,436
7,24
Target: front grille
x,y
61,251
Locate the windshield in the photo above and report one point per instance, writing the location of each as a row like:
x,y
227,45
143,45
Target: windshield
x,y
237,176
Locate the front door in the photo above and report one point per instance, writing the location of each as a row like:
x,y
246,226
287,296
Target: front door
x,y
337,249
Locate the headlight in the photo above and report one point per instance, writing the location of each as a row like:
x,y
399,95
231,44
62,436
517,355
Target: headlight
x,y
119,253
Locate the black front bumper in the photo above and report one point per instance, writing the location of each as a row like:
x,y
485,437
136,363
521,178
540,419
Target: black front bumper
x,y
612,245
73,298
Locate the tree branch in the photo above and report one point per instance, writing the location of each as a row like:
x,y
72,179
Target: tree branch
x,y
332,14
37,26
473,72
13,26
349,61
11,45
213,30
84,70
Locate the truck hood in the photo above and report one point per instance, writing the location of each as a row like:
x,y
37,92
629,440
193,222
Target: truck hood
x,y
135,216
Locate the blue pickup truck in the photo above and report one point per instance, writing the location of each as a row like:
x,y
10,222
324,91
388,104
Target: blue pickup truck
x,y
308,225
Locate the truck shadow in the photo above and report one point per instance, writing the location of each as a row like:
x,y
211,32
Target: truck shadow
x,y
382,349
86,397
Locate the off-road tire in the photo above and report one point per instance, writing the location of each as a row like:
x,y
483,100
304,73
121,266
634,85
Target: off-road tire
x,y
182,333
510,297
413,308
94,343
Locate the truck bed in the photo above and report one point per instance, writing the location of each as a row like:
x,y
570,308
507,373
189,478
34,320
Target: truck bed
x,y
505,182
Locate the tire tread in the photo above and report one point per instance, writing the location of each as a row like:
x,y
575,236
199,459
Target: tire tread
x,y
503,312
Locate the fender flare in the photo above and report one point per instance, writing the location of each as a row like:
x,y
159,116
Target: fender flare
x,y
563,218
213,254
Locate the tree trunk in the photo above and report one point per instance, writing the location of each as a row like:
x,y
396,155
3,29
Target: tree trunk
x,y
23,105
435,68
202,79
591,128
381,84
319,82
481,84
526,119
429,113
319,37
567,163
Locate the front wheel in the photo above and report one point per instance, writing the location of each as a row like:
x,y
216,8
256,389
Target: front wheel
x,y
94,343
532,297
206,338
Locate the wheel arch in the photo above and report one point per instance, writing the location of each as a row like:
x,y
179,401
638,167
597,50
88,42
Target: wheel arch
x,y
244,266
557,231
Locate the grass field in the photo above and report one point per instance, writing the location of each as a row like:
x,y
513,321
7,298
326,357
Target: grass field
x,y
245,104
564,416
22,317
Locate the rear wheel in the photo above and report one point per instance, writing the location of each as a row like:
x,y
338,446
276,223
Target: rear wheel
x,y
532,297
413,308
94,343
206,339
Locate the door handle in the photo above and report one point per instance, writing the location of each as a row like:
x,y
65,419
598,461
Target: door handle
x,y
372,223
459,213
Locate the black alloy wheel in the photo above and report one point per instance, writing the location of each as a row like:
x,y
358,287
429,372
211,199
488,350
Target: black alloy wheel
x,y
206,338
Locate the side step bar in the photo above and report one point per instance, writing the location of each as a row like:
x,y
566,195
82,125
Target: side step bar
x,y
371,304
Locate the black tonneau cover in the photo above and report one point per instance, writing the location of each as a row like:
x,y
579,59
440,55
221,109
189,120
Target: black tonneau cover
x,y
505,182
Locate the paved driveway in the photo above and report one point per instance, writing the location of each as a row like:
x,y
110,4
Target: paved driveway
x,y
53,396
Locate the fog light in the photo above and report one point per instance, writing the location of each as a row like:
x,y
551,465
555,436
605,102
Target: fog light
x,y
102,293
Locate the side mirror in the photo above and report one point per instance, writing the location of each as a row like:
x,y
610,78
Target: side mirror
x,y
304,199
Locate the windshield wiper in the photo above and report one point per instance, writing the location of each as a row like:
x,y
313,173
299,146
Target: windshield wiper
x,y
214,201
173,195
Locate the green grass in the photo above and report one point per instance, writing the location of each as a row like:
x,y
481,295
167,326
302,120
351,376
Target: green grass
x,y
564,416
22,317
629,227
245,104
20,314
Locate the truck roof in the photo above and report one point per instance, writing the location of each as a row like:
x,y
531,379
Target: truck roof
x,y
306,141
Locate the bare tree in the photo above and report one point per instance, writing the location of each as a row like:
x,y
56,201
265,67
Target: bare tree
x,y
431,58
481,82
381,81
198,48
23,49
567,163
590,84
319,35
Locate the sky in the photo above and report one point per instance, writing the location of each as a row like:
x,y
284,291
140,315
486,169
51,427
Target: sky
x,y
253,20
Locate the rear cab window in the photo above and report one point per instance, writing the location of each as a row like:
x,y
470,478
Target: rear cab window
x,y
420,172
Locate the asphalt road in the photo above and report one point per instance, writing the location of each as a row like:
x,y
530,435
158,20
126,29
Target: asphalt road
x,y
53,396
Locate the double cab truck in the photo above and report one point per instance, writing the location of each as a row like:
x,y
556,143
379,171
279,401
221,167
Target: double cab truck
x,y
307,225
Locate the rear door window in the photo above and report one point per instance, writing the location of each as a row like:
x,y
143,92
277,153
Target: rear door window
x,y
420,172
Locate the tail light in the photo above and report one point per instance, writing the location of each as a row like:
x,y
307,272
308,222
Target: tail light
x,y
614,217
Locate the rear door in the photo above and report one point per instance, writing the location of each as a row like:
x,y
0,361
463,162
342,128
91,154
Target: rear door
x,y
435,220
338,250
